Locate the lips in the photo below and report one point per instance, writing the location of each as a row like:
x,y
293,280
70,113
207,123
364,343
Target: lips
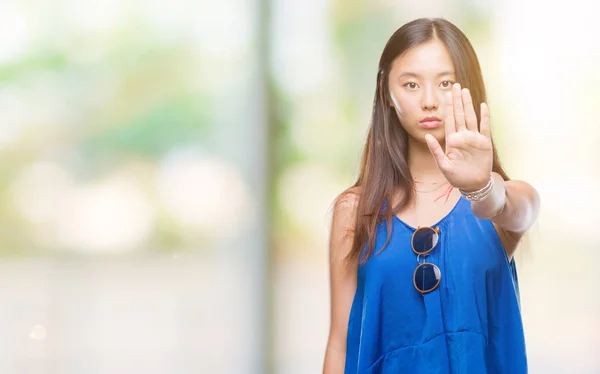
x,y
430,122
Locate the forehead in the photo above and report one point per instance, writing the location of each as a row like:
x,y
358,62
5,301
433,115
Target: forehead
x,y
424,59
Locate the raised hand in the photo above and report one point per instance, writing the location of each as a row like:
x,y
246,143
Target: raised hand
x,y
467,160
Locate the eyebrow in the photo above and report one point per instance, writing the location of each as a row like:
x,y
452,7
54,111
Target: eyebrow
x,y
411,74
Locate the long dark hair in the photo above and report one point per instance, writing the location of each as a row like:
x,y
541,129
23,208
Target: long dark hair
x,y
384,167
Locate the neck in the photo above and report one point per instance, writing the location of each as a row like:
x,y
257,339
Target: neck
x,y
422,164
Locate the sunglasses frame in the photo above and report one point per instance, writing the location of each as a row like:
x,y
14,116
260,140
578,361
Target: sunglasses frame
x,y
419,254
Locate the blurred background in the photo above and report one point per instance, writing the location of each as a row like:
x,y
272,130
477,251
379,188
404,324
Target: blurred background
x,y
168,168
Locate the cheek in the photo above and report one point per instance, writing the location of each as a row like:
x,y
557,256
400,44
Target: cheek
x,y
403,104
397,105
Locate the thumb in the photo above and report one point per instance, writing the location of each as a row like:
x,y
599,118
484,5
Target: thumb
x,y
436,150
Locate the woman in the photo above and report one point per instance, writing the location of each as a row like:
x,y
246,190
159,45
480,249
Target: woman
x,y
421,248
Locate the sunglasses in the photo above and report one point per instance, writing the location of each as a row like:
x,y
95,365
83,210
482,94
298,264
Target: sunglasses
x,y
427,275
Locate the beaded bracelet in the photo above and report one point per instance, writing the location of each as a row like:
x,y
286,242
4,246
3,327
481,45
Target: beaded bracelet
x,y
480,194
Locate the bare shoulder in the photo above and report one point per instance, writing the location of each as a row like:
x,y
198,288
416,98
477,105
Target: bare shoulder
x,y
349,198
343,222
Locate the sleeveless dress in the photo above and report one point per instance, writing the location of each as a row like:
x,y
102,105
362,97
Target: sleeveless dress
x,y
470,324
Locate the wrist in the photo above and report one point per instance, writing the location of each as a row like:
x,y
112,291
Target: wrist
x,y
477,186
494,204
481,193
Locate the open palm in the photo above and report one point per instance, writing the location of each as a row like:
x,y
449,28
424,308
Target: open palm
x,y
467,160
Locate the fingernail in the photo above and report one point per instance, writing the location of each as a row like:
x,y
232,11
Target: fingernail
x,y
465,90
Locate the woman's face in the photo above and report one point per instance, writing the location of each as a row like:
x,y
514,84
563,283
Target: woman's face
x,y
418,82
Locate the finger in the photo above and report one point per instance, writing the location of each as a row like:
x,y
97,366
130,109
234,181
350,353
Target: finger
x,y
459,113
449,123
436,151
484,127
470,116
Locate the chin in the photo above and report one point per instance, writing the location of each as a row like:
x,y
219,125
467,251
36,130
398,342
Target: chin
x,y
418,133
440,136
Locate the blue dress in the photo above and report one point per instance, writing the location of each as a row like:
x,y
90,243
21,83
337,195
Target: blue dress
x,y
470,324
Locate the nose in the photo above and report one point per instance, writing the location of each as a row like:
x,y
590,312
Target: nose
x,y
429,101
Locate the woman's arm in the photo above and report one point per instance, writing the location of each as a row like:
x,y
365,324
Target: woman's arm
x,y
467,163
342,281
513,207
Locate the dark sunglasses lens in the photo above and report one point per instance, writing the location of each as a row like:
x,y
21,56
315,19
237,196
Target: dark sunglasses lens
x,y
427,277
424,239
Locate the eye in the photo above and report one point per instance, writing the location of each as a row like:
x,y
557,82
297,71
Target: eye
x,y
411,85
446,84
